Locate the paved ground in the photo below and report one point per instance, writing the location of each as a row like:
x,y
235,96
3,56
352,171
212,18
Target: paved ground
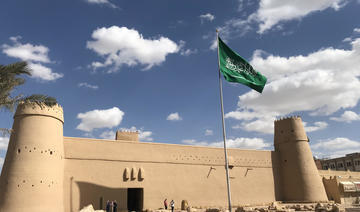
x,y
274,207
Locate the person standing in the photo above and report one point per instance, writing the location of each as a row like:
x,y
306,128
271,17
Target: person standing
x,y
172,204
108,206
165,204
114,206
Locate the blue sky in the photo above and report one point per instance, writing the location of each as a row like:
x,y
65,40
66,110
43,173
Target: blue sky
x,y
151,66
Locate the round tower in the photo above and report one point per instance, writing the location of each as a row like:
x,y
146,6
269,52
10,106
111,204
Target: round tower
x,y
300,179
32,175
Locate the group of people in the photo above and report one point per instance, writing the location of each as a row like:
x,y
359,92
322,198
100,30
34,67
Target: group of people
x,y
172,205
111,206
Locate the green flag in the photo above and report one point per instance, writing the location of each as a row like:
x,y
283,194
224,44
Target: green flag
x,y
237,69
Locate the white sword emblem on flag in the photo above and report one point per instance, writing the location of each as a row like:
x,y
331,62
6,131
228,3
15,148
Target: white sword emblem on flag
x,y
239,67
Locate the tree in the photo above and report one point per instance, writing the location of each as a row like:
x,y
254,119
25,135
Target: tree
x,y
10,78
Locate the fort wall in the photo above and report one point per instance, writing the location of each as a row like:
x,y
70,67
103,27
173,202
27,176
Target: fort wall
x,y
178,172
48,172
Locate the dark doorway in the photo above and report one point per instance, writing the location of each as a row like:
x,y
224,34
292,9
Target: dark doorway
x,y
135,197
101,203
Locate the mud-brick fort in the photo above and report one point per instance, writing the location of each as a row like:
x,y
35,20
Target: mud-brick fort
x,y
45,171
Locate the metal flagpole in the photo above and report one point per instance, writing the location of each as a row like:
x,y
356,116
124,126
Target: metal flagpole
x,y
223,127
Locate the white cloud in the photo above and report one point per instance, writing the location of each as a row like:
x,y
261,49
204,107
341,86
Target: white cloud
x,y
195,143
263,125
209,132
185,52
336,144
231,29
319,125
347,116
143,135
1,163
95,119
188,52
27,52
15,38
35,55
122,46
102,2
4,142
174,117
347,40
257,121
357,30
108,135
273,12
241,5
243,115
206,17
329,74
87,85
42,72
337,147
266,125
243,143
319,83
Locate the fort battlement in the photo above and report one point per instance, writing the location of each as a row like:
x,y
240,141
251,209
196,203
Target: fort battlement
x,y
45,171
127,135
289,129
287,118
32,108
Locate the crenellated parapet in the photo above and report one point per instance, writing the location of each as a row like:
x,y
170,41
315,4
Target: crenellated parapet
x,y
289,129
127,135
32,108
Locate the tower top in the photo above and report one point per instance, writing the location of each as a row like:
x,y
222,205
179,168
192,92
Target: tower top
x,y
288,118
34,108
127,135
289,129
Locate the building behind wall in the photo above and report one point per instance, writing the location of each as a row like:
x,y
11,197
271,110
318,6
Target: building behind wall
x,y
46,171
342,186
350,162
318,163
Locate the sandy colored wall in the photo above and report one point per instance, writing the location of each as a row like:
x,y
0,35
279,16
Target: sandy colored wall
x,y
95,168
332,189
299,176
32,175
65,174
